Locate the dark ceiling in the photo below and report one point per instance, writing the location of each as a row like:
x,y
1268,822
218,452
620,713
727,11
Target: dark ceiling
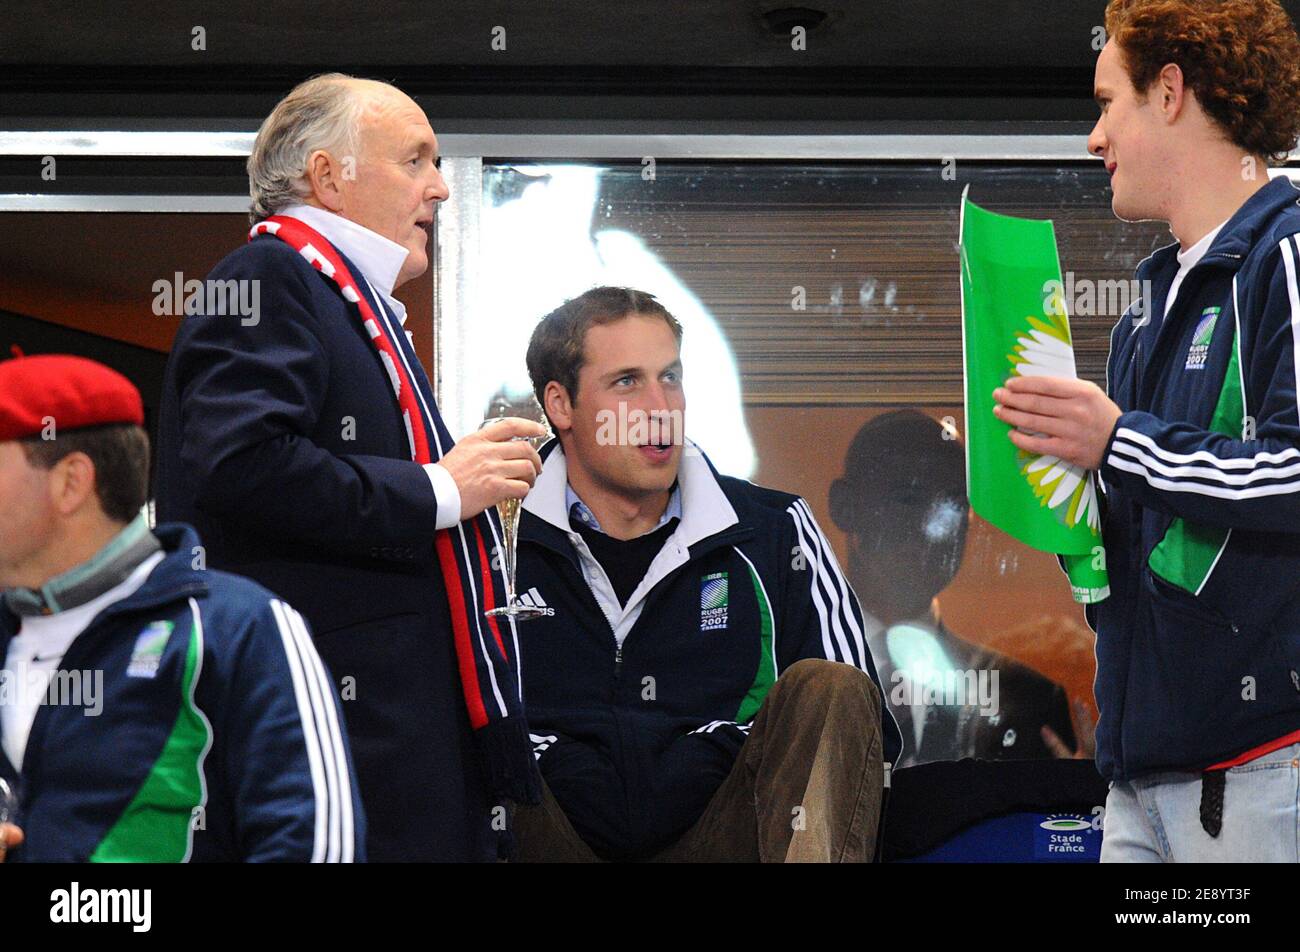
x,y
549,33
133,64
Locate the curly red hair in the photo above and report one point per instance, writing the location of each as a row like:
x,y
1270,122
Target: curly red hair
x,y
1240,57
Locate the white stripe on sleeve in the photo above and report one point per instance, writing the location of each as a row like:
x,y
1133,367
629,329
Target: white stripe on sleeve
x,y
833,617
343,784
307,718
1293,291
828,648
847,599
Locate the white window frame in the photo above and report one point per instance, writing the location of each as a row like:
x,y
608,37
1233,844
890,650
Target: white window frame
x,y
464,155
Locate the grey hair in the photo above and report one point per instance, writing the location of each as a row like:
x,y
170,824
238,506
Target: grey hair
x,y
323,112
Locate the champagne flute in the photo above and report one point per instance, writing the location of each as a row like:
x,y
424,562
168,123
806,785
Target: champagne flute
x,y
509,511
8,809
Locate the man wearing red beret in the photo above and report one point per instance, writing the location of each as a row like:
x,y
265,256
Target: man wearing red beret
x,y
150,709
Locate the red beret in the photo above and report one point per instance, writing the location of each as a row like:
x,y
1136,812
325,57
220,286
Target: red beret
x,y
72,391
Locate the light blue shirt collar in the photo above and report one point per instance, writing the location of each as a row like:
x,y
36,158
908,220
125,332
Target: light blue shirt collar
x,y
578,509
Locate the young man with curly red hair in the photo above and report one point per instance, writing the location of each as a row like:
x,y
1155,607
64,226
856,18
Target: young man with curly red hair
x,y
1197,443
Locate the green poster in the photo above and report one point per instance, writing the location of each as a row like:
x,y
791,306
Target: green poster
x,y
1014,322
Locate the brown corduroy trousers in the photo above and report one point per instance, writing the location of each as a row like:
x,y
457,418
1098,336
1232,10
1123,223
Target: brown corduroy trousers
x,y
805,788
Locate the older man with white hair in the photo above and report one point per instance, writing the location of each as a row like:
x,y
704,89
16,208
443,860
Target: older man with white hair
x,y
305,444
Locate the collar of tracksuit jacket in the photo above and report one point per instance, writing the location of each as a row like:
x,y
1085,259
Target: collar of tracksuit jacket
x,y
174,580
1227,253
1237,237
708,521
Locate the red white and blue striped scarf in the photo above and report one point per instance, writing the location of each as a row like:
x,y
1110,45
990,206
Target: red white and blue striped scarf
x,y
489,678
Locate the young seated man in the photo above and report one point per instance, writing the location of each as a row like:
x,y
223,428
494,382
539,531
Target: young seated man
x,y
150,710
698,686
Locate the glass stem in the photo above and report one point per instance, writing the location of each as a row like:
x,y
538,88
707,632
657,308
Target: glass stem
x,y
511,561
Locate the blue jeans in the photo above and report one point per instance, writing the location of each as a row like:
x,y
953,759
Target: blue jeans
x,y
1157,819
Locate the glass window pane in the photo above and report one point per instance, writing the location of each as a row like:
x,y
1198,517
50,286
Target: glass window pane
x,y
822,356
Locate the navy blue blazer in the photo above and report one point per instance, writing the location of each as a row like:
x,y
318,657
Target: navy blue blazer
x,y
280,442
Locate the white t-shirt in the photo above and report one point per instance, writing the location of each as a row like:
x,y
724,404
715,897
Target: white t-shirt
x,y
1188,259
36,652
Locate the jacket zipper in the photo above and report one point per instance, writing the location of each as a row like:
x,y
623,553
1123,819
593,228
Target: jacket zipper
x,y
1137,384
1134,514
618,661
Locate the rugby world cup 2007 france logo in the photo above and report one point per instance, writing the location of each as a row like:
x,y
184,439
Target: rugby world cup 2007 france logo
x,y
1200,348
713,601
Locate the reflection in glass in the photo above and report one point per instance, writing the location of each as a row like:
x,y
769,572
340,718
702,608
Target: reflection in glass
x,y
827,295
544,239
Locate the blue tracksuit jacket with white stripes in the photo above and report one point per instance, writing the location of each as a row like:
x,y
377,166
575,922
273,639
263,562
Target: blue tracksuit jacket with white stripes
x,y
638,711
1198,647
218,735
